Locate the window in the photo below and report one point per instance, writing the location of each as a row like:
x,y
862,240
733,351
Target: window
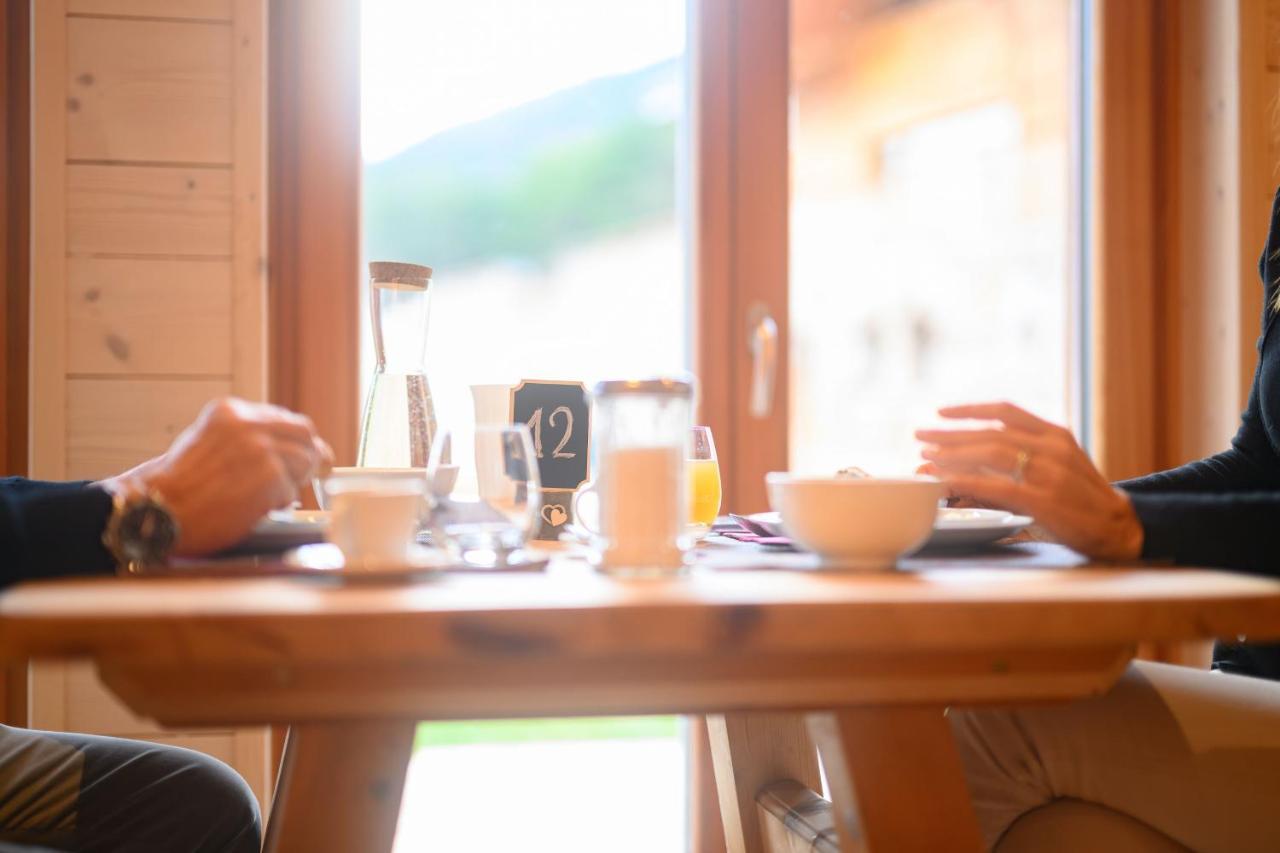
x,y
533,154
930,219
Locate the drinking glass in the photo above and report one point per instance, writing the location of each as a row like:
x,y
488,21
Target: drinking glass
x,y
704,478
484,494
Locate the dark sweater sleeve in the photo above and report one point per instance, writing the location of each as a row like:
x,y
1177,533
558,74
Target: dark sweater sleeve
x,y
1251,463
52,530
1225,510
1229,531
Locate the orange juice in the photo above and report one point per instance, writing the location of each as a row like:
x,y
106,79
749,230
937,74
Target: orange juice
x,y
704,490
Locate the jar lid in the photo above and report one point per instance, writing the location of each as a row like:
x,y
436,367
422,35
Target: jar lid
x,y
396,272
666,386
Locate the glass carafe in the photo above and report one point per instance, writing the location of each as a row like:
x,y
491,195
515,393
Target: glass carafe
x,y
399,421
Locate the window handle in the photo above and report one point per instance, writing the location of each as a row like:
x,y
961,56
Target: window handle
x,y
762,345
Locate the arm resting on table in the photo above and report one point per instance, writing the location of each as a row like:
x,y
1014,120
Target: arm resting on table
x,y
52,530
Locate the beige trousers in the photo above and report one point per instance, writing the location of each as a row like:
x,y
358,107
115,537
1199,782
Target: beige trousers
x,y
1181,758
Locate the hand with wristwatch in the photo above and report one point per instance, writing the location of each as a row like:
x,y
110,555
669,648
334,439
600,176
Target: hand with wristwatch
x,y
237,461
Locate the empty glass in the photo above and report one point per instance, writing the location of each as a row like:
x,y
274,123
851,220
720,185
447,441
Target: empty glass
x,y
399,420
484,494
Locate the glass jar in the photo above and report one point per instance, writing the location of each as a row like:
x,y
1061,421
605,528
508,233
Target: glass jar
x,y
399,422
639,430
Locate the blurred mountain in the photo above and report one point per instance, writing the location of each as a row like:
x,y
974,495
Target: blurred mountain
x,y
534,179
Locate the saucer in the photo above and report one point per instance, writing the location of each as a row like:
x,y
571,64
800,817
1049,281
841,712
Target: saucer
x,y
970,528
326,559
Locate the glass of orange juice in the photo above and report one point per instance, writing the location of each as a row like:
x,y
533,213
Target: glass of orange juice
x,y
704,478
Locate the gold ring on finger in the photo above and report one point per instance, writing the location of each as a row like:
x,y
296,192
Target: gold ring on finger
x,y
1020,465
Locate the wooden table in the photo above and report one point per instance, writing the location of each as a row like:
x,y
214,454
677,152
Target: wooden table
x,y
875,657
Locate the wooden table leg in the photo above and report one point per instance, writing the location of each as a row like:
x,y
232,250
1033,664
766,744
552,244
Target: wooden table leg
x,y
706,830
749,751
896,780
340,787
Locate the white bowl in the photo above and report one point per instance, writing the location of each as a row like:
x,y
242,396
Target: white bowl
x,y
863,523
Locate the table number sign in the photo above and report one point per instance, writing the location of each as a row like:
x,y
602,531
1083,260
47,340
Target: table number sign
x,y
558,415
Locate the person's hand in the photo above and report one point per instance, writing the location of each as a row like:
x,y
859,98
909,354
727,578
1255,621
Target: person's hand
x,y
1035,468
224,472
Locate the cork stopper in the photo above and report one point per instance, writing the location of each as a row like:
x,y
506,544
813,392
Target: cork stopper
x,y
395,272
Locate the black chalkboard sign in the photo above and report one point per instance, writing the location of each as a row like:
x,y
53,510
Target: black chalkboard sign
x,y
558,415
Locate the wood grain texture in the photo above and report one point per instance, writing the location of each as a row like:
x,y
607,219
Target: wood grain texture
x,y
113,424
750,751
706,828
760,247
1122,223
1255,114
15,234
213,10
355,664
149,91
462,648
1273,34
883,767
314,221
47,394
340,787
717,338
1197,386
127,316
134,210
249,239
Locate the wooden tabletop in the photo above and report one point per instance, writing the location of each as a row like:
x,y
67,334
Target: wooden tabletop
x,y
574,641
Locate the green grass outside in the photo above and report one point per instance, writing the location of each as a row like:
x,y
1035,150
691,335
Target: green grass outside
x,y
524,731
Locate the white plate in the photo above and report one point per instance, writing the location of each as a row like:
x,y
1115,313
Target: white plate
x,y
954,527
970,528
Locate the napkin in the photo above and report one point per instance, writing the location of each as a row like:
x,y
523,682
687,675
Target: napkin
x,y
740,532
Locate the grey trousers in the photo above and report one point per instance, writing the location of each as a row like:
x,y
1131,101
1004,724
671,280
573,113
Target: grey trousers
x,y
1179,758
68,792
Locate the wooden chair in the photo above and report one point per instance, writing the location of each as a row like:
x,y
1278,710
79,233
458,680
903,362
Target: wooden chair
x,y
768,784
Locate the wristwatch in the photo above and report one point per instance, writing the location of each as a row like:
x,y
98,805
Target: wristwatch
x,y
141,531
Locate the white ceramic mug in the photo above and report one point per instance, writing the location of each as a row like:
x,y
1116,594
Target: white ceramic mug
x,y
493,404
374,522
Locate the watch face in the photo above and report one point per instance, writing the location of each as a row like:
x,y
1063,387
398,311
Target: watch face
x,y
147,533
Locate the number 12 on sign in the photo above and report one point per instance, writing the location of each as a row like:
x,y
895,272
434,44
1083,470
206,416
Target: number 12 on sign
x,y
535,427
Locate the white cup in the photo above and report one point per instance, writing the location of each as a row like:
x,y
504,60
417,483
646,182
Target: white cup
x,y
374,522
339,479
493,404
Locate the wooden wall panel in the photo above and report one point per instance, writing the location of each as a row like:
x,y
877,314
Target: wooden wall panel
x,y
148,284
208,10
132,210
47,394
127,315
113,424
1273,34
249,198
150,91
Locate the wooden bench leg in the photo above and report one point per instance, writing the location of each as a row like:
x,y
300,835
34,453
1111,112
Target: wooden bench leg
x,y
749,751
896,780
340,787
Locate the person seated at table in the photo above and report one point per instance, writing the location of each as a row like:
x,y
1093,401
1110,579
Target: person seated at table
x,y
71,792
1191,759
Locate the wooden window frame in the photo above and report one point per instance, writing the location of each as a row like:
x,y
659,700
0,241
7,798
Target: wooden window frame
x,y
1179,205
314,214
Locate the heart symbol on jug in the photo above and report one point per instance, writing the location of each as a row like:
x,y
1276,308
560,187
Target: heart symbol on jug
x,y
554,514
